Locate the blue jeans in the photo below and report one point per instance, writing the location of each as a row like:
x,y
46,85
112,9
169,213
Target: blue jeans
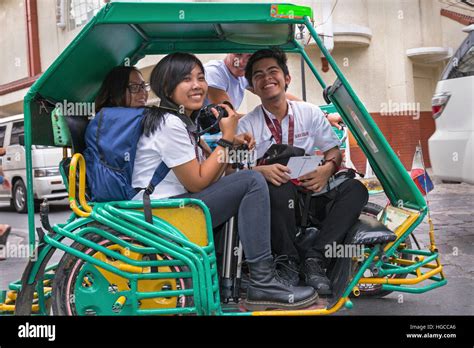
x,y
244,193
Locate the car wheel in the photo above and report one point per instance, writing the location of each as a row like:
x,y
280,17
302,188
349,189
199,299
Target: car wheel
x,y
19,197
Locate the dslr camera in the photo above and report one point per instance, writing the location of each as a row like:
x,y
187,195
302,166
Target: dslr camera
x,y
207,122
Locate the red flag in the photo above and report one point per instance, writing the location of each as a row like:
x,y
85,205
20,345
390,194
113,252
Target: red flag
x,y
419,174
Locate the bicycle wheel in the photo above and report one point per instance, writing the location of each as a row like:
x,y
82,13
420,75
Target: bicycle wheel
x,y
81,288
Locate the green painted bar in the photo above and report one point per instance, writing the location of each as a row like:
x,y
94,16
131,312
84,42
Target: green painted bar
x,y
164,293
411,268
157,223
308,61
414,290
360,273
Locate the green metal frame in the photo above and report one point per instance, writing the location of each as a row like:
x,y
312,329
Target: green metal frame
x,y
197,28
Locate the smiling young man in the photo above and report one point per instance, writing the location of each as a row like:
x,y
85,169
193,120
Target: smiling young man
x,y
303,125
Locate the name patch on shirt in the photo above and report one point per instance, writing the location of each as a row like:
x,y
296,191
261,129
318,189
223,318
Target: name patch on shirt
x,y
301,135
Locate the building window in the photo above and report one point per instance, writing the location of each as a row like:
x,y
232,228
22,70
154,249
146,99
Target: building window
x,y
81,11
72,14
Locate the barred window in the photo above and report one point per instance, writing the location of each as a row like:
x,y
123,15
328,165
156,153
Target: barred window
x,y
81,11
72,14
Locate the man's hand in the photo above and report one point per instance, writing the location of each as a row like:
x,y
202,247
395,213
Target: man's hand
x,y
334,120
317,179
277,174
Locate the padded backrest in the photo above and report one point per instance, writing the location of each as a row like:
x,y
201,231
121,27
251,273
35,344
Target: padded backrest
x,y
77,128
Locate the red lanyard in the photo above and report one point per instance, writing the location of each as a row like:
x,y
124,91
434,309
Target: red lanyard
x,y
275,128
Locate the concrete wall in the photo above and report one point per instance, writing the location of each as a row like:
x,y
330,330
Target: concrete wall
x,y
13,44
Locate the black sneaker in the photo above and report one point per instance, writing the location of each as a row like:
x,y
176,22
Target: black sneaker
x,y
287,270
315,276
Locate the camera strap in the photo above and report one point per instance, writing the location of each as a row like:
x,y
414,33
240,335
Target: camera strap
x,y
191,127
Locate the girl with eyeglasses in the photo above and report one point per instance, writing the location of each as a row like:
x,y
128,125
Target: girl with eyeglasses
x,y
123,86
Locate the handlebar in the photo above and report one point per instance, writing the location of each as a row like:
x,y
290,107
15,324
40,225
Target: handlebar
x,y
78,159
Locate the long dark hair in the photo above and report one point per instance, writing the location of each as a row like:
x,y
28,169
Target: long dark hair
x,y
166,75
113,91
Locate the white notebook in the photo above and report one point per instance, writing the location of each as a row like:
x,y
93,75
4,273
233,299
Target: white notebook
x,y
303,165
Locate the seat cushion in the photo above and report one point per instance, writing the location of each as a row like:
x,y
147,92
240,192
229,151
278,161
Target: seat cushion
x,y
77,127
368,230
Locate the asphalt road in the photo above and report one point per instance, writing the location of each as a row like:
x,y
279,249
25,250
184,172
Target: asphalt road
x,y
452,207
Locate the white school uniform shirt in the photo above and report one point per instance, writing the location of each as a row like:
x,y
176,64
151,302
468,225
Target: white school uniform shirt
x,y
311,128
170,143
219,76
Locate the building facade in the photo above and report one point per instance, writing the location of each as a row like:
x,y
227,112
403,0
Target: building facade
x,y
391,51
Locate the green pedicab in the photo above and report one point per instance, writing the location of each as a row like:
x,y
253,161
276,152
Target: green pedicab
x,y
119,264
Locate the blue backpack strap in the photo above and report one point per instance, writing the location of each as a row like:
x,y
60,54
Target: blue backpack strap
x,y
158,176
160,173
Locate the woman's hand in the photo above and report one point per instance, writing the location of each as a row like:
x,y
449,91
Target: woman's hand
x,y
245,138
228,125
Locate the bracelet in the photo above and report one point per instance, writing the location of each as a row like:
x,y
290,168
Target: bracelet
x,y
225,143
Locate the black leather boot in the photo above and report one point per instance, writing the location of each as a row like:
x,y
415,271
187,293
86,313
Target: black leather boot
x,y
268,291
314,275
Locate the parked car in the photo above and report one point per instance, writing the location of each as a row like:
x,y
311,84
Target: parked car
x,y
48,182
451,147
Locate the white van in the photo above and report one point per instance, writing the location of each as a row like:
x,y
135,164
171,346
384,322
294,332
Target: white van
x,y
47,181
451,147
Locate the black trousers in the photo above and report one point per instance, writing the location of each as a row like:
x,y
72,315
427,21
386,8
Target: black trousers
x,y
336,210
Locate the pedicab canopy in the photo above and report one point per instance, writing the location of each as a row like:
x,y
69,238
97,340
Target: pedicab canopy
x,y
123,33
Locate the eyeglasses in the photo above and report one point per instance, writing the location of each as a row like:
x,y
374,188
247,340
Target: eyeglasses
x,y
136,87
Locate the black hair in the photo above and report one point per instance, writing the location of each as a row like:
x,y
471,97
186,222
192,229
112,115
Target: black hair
x,y
113,91
166,75
274,53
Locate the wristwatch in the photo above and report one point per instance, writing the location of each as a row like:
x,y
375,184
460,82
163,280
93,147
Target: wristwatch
x,y
225,143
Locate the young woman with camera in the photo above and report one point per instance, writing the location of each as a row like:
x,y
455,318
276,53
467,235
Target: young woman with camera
x,y
178,80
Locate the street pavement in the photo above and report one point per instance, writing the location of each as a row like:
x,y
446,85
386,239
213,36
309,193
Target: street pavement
x,y
451,206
